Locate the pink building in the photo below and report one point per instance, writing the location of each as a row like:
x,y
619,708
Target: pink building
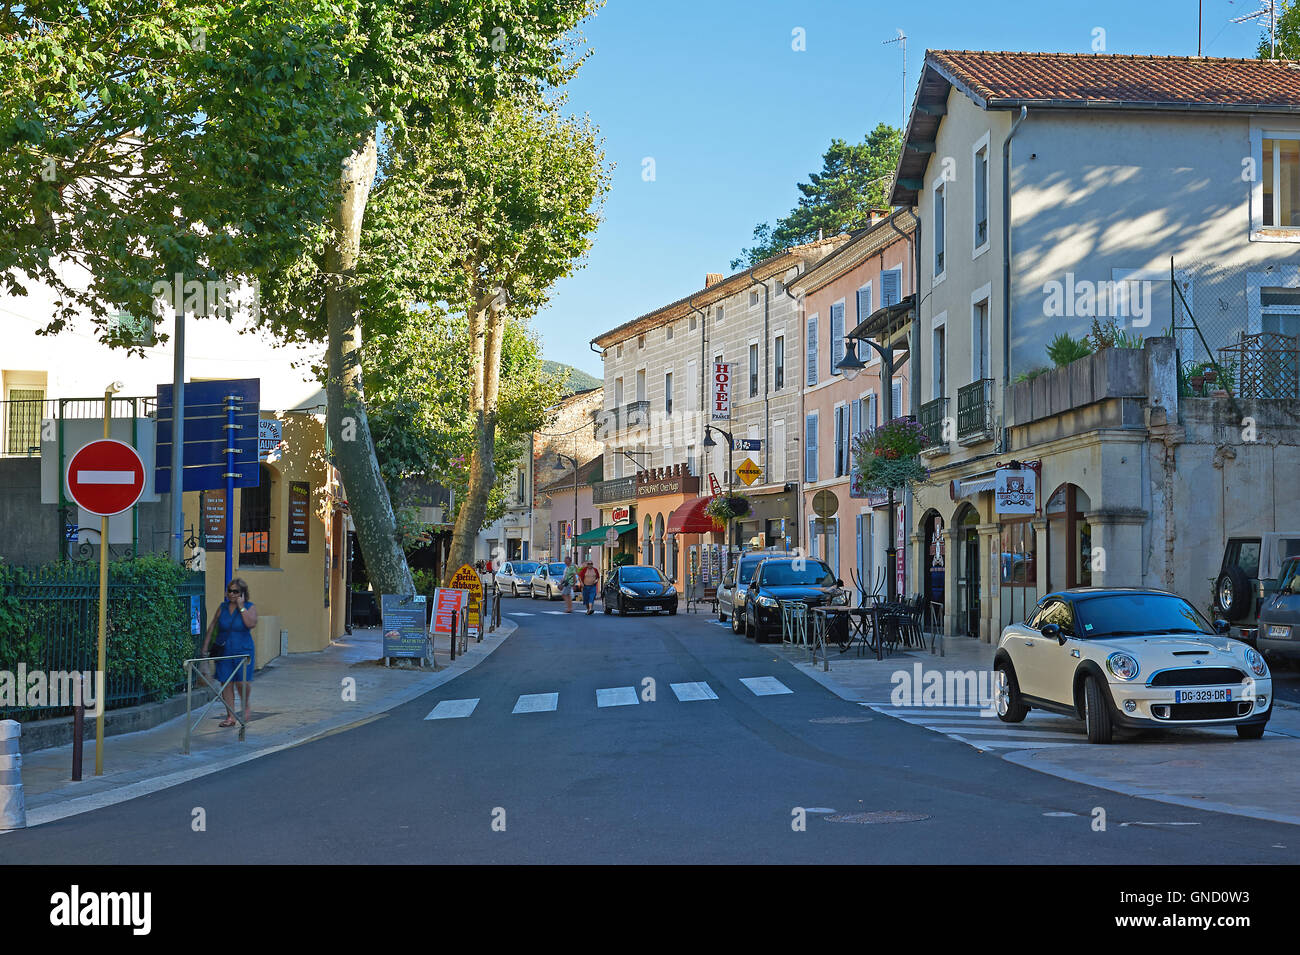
x,y
870,279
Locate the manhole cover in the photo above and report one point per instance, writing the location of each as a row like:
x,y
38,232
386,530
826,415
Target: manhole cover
x,y
873,818
842,719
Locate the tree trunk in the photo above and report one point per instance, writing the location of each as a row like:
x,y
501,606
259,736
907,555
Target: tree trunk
x,y
349,427
486,331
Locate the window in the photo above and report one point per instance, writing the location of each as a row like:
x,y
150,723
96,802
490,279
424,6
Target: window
x,y
896,396
891,287
717,313
778,363
1280,176
692,385
753,370
668,392
1018,574
839,440
979,353
640,341
837,336
780,287
669,333
776,453
753,300
864,303
255,522
23,414
939,217
810,448
519,486
640,385
939,382
812,351
692,325
982,195
619,351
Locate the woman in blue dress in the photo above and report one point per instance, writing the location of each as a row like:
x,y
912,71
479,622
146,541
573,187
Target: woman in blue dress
x,y
233,624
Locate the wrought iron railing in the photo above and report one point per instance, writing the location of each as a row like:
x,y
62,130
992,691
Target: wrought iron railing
x,y
975,409
930,418
22,420
604,424
636,415
616,489
1266,365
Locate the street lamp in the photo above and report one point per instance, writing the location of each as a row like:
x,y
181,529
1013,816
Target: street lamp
x,y
850,364
731,474
573,532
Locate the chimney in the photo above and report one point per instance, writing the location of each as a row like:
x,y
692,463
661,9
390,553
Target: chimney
x,y
712,278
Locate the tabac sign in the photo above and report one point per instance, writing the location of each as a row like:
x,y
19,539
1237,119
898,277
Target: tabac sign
x,y
1014,491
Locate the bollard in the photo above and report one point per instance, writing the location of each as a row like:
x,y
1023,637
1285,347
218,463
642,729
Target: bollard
x,y
13,810
454,636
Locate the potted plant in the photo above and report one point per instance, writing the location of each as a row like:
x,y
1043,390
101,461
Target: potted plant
x,y
725,507
890,456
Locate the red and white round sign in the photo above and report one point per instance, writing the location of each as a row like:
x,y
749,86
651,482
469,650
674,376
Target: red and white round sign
x,y
105,477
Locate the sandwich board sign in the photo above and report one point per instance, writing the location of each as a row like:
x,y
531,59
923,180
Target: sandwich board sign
x,y
467,579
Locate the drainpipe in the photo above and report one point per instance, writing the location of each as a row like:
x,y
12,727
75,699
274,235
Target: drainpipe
x,y
914,385
704,362
800,424
1006,268
767,363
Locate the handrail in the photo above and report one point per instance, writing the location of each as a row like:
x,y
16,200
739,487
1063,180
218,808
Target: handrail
x,y
190,670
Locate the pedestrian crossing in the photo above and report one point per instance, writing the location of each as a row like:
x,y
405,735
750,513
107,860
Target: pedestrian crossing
x,y
980,728
606,697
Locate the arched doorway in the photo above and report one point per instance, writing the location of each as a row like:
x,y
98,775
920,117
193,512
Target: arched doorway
x,y
1069,539
933,558
967,547
647,543
659,542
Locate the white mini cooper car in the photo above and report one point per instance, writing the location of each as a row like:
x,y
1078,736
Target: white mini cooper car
x,y
1132,659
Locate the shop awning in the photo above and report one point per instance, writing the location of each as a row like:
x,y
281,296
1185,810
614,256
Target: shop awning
x,y
597,534
973,485
689,518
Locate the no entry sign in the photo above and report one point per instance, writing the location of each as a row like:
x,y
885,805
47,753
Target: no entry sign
x,y
105,477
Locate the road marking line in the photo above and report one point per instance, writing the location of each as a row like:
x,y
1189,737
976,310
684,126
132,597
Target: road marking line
x,y
519,613
765,685
1011,744
555,613
452,709
617,696
686,692
105,477
536,703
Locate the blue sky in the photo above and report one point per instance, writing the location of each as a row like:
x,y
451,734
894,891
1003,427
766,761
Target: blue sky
x,y
733,117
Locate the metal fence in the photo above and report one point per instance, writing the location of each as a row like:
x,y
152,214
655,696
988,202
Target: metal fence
x,y
24,415
53,626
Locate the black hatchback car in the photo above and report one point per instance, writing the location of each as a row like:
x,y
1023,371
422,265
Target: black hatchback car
x,y
785,578
634,588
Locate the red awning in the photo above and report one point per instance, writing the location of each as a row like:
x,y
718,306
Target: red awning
x,y
689,518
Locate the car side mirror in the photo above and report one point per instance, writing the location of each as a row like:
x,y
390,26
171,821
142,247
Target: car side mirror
x,y
1222,626
1052,631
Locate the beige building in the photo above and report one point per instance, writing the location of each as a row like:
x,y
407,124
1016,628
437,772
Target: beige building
x,y
659,400
1058,190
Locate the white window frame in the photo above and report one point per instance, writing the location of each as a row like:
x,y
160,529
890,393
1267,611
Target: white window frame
x,y
1258,231
779,337
668,392
836,348
899,270
936,188
1287,276
839,412
869,288
776,453
978,249
813,321
816,448
755,300
982,295
754,369
940,321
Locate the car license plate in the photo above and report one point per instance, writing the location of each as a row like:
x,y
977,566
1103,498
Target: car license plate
x,y
1220,694
651,606
1279,633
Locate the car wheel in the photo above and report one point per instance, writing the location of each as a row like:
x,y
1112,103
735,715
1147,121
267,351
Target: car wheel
x,y
608,608
722,617
1006,693
622,608
1251,730
1232,592
673,612
737,623
1096,712
514,587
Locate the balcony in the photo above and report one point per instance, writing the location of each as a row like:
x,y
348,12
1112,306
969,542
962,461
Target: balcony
x,y
614,490
975,412
604,424
930,418
636,415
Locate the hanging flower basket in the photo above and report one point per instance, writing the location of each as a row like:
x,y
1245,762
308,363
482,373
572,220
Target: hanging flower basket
x,y
725,507
890,456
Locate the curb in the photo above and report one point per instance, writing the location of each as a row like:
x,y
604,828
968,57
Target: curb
x,y
75,805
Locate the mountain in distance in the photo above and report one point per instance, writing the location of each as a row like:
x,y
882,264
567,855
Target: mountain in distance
x,y
579,380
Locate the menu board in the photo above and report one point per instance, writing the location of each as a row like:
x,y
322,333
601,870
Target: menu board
x,y
299,517
214,520
404,620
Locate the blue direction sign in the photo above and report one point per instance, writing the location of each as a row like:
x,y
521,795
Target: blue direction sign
x,y
204,454
748,444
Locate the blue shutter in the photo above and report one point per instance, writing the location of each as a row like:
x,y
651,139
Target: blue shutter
x,y
873,412
897,394
839,440
810,448
837,337
811,358
890,287
855,428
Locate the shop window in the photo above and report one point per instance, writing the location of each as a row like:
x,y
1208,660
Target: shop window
x,y
255,522
1018,571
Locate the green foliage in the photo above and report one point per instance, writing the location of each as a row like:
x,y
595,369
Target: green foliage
x,y
426,582
890,455
1063,350
854,179
1032,373
1111,335
1288,33
149,624
726,507
621,559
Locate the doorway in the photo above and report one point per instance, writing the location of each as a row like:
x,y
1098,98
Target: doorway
x,y
968,572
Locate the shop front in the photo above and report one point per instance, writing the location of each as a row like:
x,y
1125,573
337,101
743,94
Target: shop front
x,y
772,521
660,492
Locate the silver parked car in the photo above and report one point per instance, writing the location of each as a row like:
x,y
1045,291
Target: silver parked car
x,y
546,582
1279,615
515,575
731,592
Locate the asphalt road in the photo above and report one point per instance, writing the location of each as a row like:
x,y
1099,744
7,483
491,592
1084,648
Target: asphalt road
x,y
711,780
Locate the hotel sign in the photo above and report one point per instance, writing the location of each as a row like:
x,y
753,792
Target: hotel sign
x,y
721,391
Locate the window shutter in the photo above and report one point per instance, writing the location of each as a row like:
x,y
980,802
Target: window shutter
x,y
896,392
837,337
873,412
864,303
812,351
891,287
810,448
776,454
839,440
855,428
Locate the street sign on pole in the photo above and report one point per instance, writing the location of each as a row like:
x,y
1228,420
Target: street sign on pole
x,y
105,477
611,537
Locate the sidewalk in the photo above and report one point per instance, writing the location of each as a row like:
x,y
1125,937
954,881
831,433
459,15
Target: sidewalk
x,y
1201,768
296,698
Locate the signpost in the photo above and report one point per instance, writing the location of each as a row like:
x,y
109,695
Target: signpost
x,y
104,477
467,579
825,504
749,444
611,537
749,472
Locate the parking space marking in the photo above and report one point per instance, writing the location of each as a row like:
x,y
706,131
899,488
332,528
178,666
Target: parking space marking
x,y
765,685
686,692
617,696
452,709
537,703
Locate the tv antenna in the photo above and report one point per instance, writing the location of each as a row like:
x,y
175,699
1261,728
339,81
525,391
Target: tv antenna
x,y
902,38
1268,8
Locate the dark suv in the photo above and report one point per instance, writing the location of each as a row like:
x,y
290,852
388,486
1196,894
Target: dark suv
x,y
1249,576
784,578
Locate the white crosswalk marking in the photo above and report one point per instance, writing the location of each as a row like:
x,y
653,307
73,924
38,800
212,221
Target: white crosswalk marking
x,y
971,726
617,696
765,685
555,613
452,709
518,613
686,692
536,703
